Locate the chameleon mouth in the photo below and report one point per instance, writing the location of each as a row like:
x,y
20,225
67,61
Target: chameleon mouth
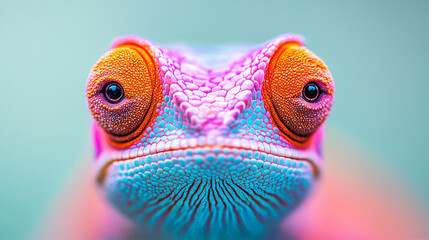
x,y
268,158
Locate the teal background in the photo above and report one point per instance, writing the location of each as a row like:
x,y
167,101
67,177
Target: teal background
x,y
377,52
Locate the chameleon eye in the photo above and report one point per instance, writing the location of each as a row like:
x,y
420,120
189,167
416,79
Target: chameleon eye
x,y
310,92
298,91
113,92
123,90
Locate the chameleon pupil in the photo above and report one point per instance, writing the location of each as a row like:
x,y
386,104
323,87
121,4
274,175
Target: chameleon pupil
x,y
114,93
311,92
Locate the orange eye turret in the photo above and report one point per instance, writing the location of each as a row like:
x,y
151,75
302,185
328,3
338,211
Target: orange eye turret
x,y
298,91
122,91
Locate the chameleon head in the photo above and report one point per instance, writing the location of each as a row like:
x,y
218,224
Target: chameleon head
x,y
202,145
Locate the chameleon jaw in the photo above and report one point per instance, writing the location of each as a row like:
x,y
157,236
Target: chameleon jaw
x,y
164,188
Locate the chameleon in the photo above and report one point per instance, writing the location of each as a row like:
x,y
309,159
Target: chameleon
x,y
219,144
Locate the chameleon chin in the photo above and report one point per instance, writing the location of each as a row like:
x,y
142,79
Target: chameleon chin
x,y
199,146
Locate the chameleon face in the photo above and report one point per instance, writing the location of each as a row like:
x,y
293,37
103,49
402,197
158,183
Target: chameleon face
x,y
217,145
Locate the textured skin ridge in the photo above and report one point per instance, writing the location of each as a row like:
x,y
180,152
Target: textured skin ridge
x,y
184,147
212,163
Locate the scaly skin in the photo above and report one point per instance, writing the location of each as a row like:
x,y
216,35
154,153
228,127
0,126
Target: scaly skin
x,y
203,146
